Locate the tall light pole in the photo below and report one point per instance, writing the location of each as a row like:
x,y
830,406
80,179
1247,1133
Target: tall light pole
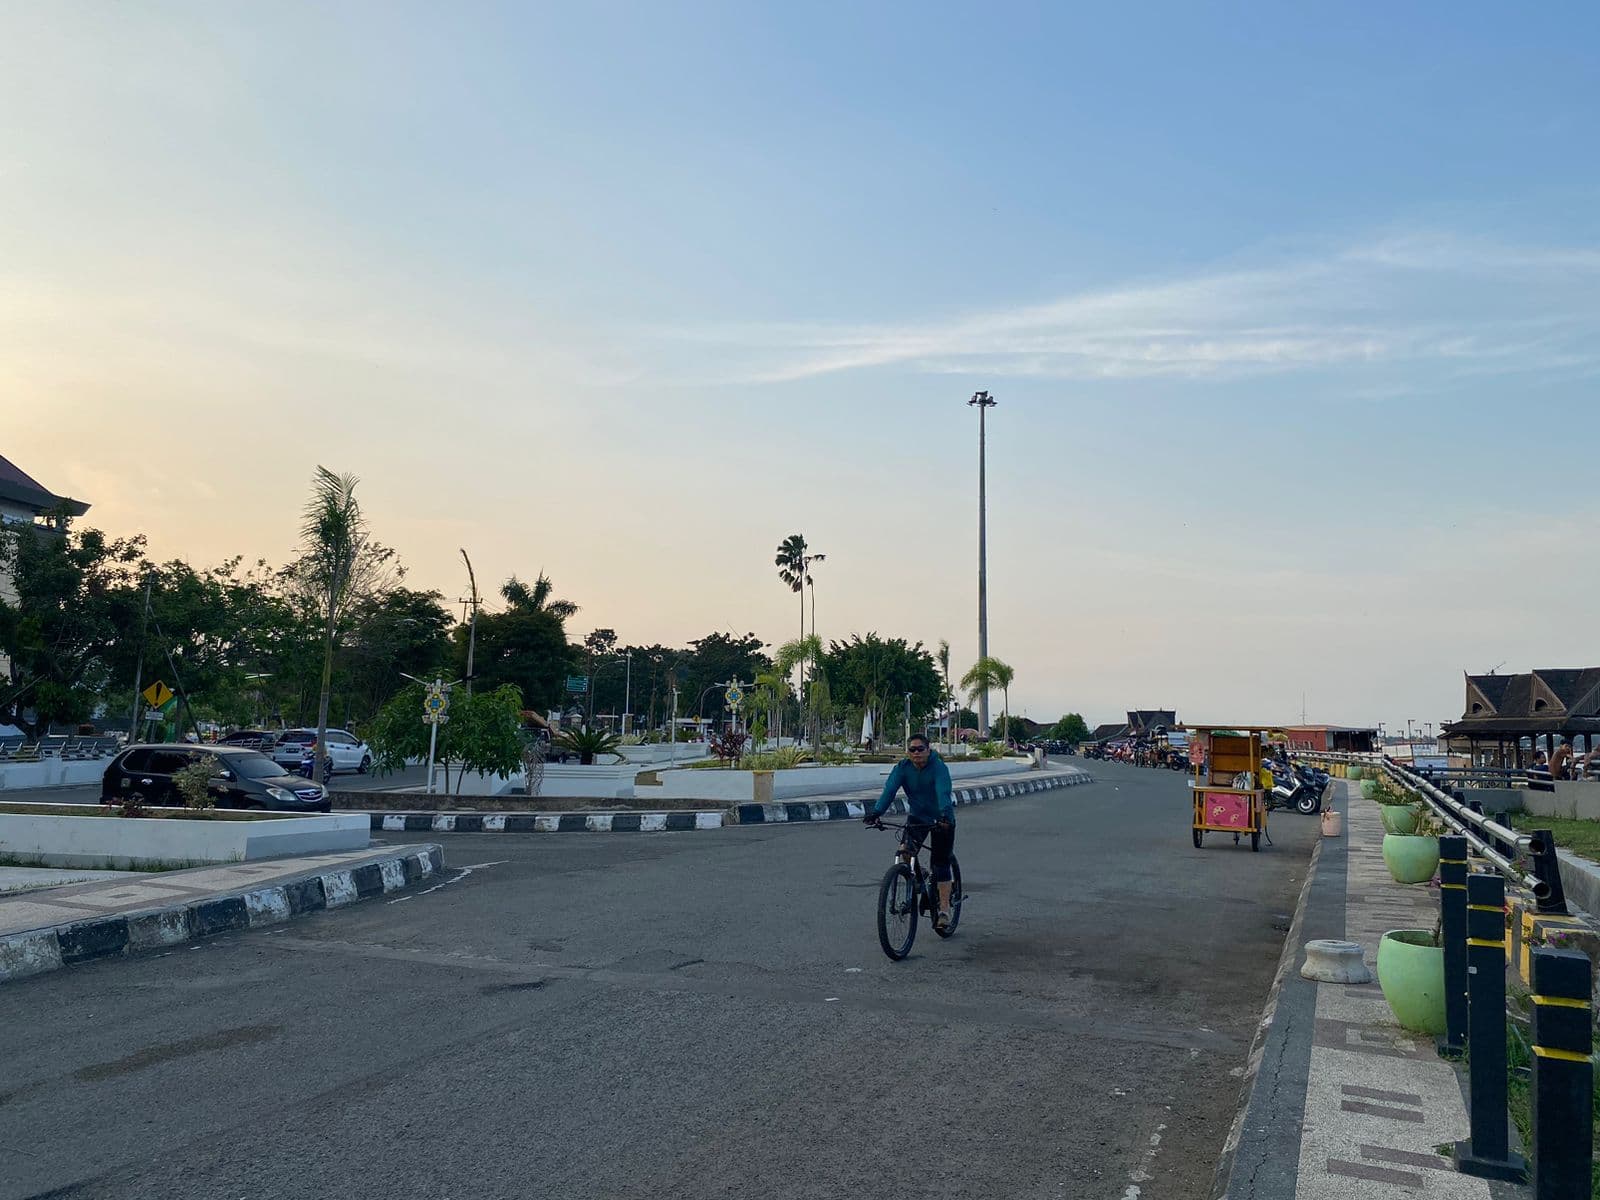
x,y
983,401
627,694
472,633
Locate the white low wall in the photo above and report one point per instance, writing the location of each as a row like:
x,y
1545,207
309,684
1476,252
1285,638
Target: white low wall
x,y
51,773
659,753
738,787
123,843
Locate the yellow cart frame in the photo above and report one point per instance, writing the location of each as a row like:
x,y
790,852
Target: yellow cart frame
x,y
1218,754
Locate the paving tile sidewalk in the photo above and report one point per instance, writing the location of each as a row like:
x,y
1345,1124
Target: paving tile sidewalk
x,y
1379,1099
1343,1104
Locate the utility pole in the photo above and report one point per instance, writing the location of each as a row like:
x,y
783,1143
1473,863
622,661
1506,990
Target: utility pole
x,y
472,631
982,402
135,724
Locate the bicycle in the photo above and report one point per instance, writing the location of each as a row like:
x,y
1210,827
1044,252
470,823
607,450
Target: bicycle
x,y
908,888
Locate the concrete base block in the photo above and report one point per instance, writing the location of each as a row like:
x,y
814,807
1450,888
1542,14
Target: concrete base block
x,y
1331,961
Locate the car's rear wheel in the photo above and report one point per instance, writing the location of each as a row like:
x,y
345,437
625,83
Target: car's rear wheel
x,y
366,764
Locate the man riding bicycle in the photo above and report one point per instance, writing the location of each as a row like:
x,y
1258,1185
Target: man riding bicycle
x,y
926,782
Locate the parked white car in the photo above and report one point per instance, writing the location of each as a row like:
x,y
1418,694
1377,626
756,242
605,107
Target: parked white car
x,y
349,753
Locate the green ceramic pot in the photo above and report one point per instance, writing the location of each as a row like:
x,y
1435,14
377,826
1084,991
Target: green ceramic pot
x,y
1411,859
1411,974
1369,788
1398,818
1354,772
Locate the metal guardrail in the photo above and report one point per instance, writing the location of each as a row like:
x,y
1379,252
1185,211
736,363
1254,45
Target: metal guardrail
x,y
1489,839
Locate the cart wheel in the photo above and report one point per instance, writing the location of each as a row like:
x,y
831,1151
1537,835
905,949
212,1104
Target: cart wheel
x,y
1255,843
1198,836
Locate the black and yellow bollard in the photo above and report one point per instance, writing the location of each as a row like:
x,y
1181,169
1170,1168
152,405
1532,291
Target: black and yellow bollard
x,y
1563,1075
1487,1153
1453,935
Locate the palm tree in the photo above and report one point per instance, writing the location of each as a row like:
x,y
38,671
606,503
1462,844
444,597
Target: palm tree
x,y
985,675
333,532
802,652
791,564
536,598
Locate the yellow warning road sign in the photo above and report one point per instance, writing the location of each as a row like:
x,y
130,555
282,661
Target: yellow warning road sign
x,y
158,693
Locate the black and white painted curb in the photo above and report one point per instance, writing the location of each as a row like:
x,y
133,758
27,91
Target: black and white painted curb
x,y
632,822
679,822
39,950
854,810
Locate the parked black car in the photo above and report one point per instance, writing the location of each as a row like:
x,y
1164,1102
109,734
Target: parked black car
x,y
242,779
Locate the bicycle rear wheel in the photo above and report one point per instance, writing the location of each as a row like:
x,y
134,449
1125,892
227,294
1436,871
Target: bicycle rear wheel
x,y
897,912
955,900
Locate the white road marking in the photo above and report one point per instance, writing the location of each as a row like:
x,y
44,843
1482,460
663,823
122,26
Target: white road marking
x,y
465,871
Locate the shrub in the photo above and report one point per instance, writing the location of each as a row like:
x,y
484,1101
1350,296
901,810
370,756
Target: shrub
x,y
781,759
586,743
194,782
991,750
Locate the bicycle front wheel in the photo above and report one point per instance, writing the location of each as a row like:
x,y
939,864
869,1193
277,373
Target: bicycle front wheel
x,y
955,900
897,912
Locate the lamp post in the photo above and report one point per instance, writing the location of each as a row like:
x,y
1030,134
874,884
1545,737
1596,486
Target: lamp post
x,y
982,401
627,694
907,742
472,631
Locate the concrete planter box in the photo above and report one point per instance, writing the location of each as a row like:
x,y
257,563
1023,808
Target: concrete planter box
x,y
125,843
50,773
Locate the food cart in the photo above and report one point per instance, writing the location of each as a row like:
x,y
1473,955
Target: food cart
x,y
1226,785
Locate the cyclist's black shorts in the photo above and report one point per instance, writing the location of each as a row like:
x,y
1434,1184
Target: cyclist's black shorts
x,y
941,844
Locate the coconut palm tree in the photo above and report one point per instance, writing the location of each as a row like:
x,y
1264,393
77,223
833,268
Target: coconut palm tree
x,y
333,533
536,598
986,675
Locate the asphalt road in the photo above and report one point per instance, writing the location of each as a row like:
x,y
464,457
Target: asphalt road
x,y
686,1015
344,782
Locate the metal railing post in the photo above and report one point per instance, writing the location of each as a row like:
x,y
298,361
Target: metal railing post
x,y
1487,1152
1563,1075
1453,935
1547,869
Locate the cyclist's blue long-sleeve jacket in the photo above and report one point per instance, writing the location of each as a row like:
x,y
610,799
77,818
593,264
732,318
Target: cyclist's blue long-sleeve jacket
x,y
928,793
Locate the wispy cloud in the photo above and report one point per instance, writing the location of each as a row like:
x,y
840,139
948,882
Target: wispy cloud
x,y
1462,306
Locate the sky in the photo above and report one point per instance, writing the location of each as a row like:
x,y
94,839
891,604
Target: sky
x,y
1291,312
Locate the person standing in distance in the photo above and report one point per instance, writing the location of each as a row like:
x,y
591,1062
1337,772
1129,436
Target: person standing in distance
x,y
925,779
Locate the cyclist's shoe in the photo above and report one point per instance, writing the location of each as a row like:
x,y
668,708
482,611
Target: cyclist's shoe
x,y
941,921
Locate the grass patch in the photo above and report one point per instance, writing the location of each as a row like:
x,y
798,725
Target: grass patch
x,y
1581,837
151,867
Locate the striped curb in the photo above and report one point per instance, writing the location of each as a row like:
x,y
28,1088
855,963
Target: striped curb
x,y
39,950
854,810
680,822
622,822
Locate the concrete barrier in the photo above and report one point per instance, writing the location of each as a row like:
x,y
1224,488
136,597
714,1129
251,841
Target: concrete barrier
x,y
128,843
51,772
742,787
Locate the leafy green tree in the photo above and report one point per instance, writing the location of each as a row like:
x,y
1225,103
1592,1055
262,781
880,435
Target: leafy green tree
x,y
1071,728
398,633
873,674
482,734
716,659
64,621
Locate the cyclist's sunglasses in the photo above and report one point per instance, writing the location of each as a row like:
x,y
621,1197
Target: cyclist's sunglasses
x,y
923,749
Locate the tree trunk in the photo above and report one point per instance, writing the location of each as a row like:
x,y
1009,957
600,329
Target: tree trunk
x,y
320,748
